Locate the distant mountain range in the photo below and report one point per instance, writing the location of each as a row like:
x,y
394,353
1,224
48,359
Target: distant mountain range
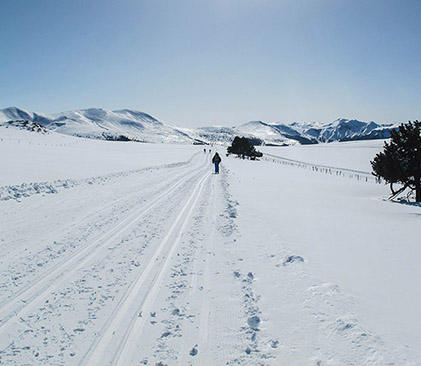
x,y
131,125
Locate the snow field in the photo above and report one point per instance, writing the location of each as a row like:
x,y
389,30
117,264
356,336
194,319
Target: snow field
x,y
354,155
32,157
156,261
349,303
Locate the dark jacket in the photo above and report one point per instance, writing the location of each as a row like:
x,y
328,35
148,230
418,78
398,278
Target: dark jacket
x,y
216,158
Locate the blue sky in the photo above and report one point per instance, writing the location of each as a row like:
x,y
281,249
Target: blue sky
x,y
215,62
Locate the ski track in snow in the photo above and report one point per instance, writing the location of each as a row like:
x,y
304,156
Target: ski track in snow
x,y
89,289
35,297
152,267
64,270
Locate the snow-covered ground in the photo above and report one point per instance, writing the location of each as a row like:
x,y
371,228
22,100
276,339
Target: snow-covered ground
x,y
354,155
33,157
127,254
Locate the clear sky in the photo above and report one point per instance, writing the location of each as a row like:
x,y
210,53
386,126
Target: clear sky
x,y
215,62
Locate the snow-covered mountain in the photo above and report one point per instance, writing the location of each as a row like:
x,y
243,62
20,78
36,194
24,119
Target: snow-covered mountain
x,y
315,132
220,135
347,130
128,124
103,124
266,132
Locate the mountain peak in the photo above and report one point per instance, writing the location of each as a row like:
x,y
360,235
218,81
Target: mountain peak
x,y
14,113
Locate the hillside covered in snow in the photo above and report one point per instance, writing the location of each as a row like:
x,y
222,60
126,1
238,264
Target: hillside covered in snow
x,y
102,124
130,125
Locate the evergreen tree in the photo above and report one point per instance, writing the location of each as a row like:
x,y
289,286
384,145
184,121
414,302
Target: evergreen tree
x,y
400,161
243,147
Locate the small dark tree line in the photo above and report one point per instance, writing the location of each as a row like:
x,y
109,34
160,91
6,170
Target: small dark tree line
x,y
242,147
400,161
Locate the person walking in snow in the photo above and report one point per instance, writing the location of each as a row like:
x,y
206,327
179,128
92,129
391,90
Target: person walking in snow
x,y
216,160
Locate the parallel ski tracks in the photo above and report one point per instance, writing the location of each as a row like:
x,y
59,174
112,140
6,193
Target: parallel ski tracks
x,y
200,329
96,211
82,221
122,332
24,302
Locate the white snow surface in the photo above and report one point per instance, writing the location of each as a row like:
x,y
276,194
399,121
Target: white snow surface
x,y
33,157
354,155
117,253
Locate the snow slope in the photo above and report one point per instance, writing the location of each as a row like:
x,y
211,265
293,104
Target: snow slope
x,y
156,261
266,132
100,123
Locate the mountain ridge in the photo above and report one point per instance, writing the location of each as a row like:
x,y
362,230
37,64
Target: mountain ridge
x,y
127,124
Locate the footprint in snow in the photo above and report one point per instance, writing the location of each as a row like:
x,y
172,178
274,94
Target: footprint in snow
x,y
165,334
292,259
253,322
274,343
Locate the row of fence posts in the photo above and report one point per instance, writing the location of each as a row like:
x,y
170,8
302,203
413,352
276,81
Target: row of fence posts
x,y
364,177
40,143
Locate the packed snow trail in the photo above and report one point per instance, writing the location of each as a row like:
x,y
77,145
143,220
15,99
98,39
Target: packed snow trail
x,y
57,276
58,273
141,288
129,273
